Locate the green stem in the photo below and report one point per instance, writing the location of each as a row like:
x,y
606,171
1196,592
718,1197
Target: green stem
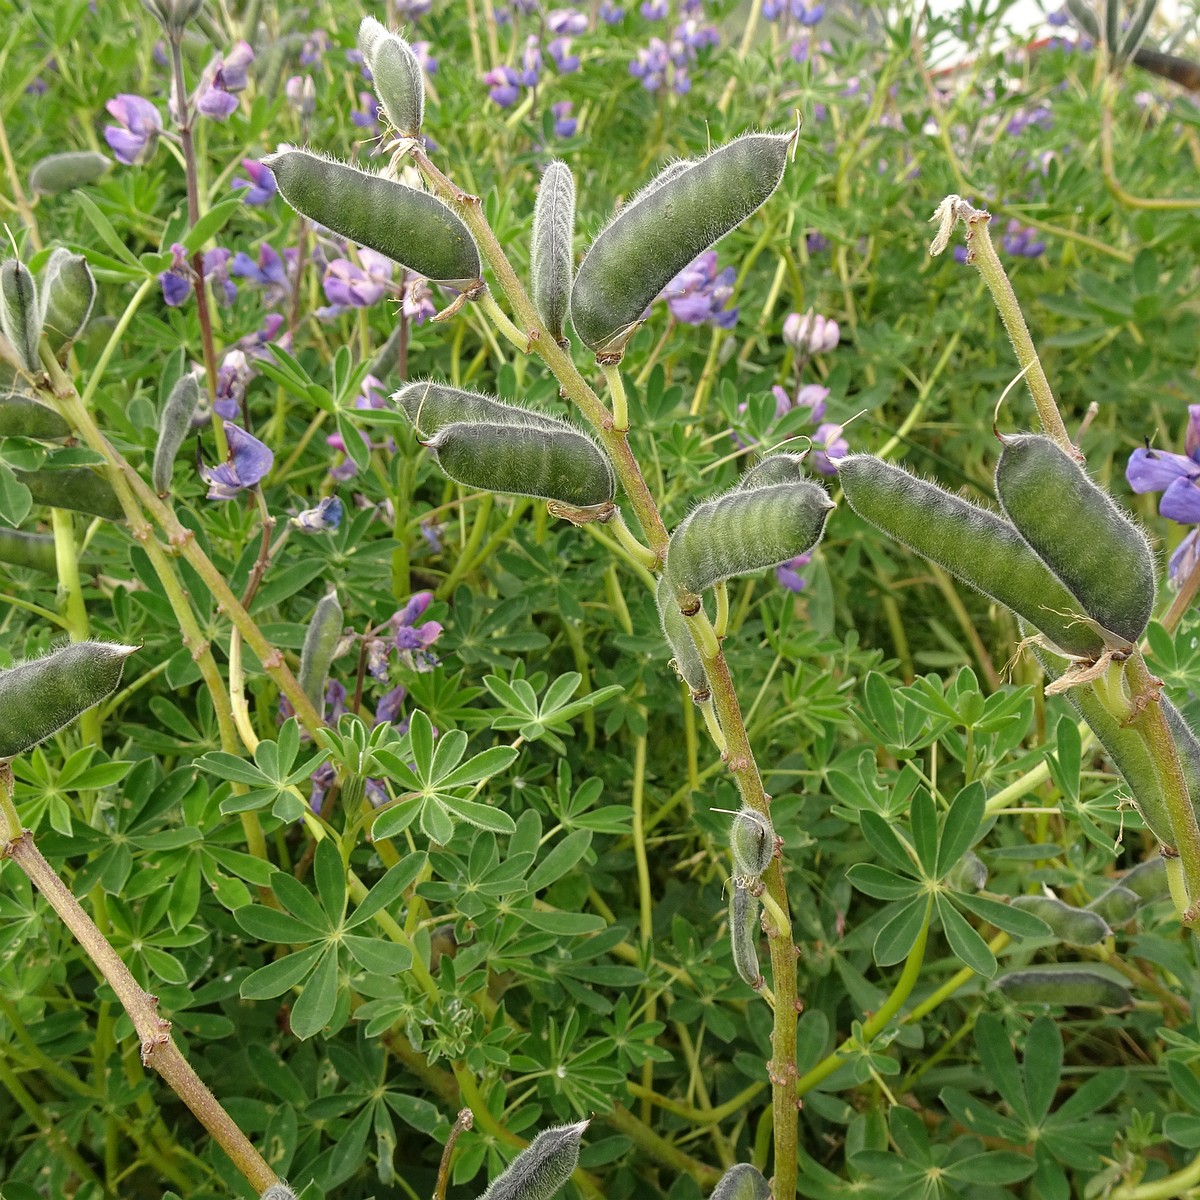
x,y
620,405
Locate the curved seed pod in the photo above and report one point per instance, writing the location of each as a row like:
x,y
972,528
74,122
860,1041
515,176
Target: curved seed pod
x,y
1098,552
173,427
652,239
1117,906
675,167
278,1191
20,320
554,464
40,697
1075,926
1137,29
542,1167
972,543
1058,984
23,416
32,550
396,74
320,641
67,293
744,930
1188,747
1148,880
687,658
431,406
752,841
742,1182
61,172
745,531
1112,30
777,468
413,228
78,488
552,253
968,874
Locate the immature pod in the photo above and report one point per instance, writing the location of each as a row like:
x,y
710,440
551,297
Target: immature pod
x,y
553,464
969,874
414,228
61,172
78,488
1073,525
41,696
23,416
1057,983
431,406
742,1182
320,641
687,658
972,543
777,468
20,319
744,930
278,1191
552,253
173,427
1075,926
745,531
67,292
32,550
1117,906
752,841
652,239
1148,880
542,1168
1188,747
396,74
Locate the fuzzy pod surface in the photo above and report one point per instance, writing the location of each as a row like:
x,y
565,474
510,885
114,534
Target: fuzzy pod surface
x,y
67,292
969,874
744,930
974,544
410,227
278,1191
43,695
78,488
20,316
1117,906
752,841
396,74
173,427
1075,926
431,406
686,657
1074,526
552,464
745,531
541,1169
1148,880
552,250
61,172
23,416
1057,983
320,642
742,1182
34,551
665,227
777,468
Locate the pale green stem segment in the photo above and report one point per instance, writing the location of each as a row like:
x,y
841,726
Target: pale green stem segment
x,y
500,318
627,538
709,713
721,620
620,404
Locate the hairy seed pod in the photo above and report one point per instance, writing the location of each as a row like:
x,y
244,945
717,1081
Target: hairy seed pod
x,y
752,841
1117,906
67,291
744,931
552,252
745,531
777,468
742,1182
43,695
1137,29
320,641
652,239
1098,552
173,427
968,874
431,406
278,1191
1113,12
687,658
1058,983
1188,747
20,319
23,416
542,1168
553,464
78,488
1148,880
1075,926
61,172
396,74
32,550
413,228
1085,15
972,543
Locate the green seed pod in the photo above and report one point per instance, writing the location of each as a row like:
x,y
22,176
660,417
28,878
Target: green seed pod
x,y
61,172
554,464
1058,983
1075,926
752,841
652,239
278,1191
742,1182
67,291
41,696
1188,748
1148,880
32,550
1073,525
542,1168
744,930
78,488
396,74
173,427
20,320
320,641
777,468
968,874
413,228
23,416
552,253
1117,906
972,543
745,531
431,406
687,660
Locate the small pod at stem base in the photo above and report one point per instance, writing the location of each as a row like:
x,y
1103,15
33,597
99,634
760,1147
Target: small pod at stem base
x,y
752,841
744,930
20,314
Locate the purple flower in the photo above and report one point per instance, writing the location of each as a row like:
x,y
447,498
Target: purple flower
x,y
413,638
564,124
301,94
346,468
335,702
1175,475
326,515
1021,242
503,86
314,48
248,463
611,14
816,243
567,21
1059,17
233,68
1184,559
348,285
428,63
366,116
261,186
135,137
531,61
699,293
256,345
388,708
411,9
654,10
1040,116
560,51
810,333
270,271
322,779
176,280
788,573
650,66
431,531
828,444
233,377
216,272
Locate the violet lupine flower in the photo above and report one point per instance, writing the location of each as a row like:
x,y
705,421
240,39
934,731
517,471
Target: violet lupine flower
x,y
611,14
650,66
224,77
411,9
828,445
1059,17
216,272
301,94
326,515
566,21
1039,116
233,377
816,243
431,531
1177,476
1021,242
788,574
261,186
314,48
372,394
560,51
811,396
348,285
810,333
565,125
504,86
378,650
531,61
134,138
36,86
699,293
388,706
654,10
323,778
176,280
961,253
413,637
249,462
270,271
427,62
689,39
366,116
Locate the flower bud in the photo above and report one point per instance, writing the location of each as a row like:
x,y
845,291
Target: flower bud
x,y
78,488
542,1168
320,643
396,74
173,426
23,416
34,551
67,292
20,320
61,172
810,333
742,1182
552,253
1060,983
752,841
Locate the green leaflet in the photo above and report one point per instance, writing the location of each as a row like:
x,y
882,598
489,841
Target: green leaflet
x,y
23,416
32,550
